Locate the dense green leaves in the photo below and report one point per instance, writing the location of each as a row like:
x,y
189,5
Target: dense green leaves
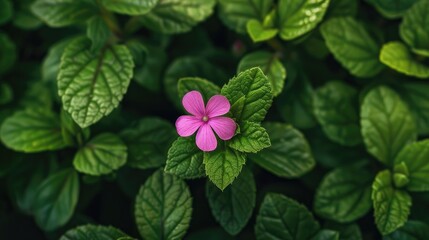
x,y
205,87
352,46
102,155
391,206
297,17
289,155
251,139
130,7
387,124
185,159
283,218
233,206
163,207
32,130
92,85
93,232
413,28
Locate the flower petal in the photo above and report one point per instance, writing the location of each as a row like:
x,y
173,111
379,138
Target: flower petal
x,y
206,140
217,105
194,104
187,125
223,126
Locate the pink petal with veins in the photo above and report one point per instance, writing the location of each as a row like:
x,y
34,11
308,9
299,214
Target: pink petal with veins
x,y
194,104
188,125
206,140
224,127
217,105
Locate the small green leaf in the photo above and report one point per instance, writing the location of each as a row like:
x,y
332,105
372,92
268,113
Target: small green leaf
x,y
289,155
342,8
205,87
6,11
415,156
6,93
93,232
344,194
326,234
104,154
61,13
270,65
298,17
32,130
415,94
253,89
283,218
185,159
352,46
223,165
56,199
397,56
233,207
130,7
172,16
412,230
148,142
51,63
259,33
392,8
235,14
251,139
336,108
163,207
413,28
391,206
98,32
9,53
92,85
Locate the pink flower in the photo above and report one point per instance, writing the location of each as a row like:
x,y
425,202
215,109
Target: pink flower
x,y
205,120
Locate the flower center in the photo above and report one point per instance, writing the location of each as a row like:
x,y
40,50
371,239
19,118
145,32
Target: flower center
x,y
205,118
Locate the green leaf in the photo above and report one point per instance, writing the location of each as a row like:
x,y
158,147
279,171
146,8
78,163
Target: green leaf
x,y
397,56
289,155
6,11
92,85
250,95
270,65
412,230
259,33
172,16
148,142
163,207
130,7
93,232
233,207
352,46
336,108
386,124
392,8
413,28
61,13
205,87
9,53
251,139
23,17
236,14
415,94
32,130
342,8
326,234
415,156
347,231
51,63
56,199
344,194
6,93
299,17
223,165
72,133
98,32
104,154
185,159
283,218
391,206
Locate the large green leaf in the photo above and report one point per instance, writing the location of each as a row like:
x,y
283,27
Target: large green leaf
x,y
130,7
392,8
413,28
412,230
251,139
391,206
416,158
289,155
163,207
60,13
93,232
185,159
250,95
336,108
352,46
56,199
173,16
398,57
32,130
92,85
415,94
205,87
235,14
8,53
297,17
283,218
223,165
386,124
344,194
6,11
270,65
233,207
104,154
